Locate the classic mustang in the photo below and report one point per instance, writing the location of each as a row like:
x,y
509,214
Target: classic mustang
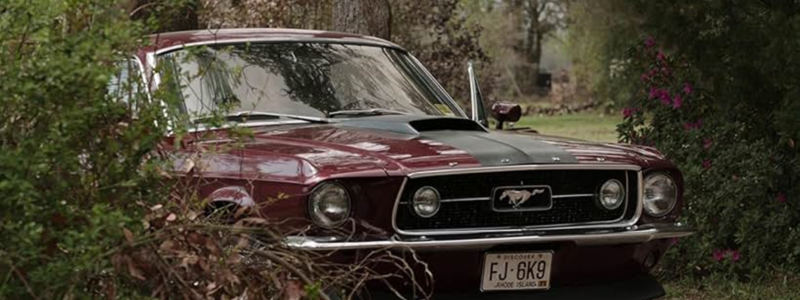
x,y
353,132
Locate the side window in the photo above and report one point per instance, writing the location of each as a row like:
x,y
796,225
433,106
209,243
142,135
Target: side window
x,y
126,86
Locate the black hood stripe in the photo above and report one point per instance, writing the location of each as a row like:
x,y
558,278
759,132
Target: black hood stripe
x,y
489,148
502,149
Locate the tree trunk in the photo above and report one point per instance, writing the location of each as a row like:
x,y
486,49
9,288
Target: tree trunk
x,y
534,34
536,56
367,17
514,9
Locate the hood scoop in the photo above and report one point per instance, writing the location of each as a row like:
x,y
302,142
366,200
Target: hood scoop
x,y
412,125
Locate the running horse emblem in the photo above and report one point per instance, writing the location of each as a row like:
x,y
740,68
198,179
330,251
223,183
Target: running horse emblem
x,y
516,198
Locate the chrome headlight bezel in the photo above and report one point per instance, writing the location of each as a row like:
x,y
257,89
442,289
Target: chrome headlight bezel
x,y
622,194
315,201
649,200
415,206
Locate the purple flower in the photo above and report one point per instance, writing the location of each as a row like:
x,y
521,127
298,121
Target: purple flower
x,y
644,77
677,101
687,88
781,198
693,125
734,254
660,56
649,42
654,92
718,255
629,111
664,96
707,143
706,164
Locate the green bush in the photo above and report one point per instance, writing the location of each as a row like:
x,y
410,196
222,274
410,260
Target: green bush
x,y
73,172
733,131
92,208
738,156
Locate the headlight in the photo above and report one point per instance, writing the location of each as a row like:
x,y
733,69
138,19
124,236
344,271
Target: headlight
x,y
660,194
612,194
329,205
426,202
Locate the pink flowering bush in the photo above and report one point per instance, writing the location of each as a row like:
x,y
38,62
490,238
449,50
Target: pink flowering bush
x,y
740,188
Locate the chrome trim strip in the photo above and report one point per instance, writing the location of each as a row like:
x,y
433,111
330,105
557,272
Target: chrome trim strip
x,y
573,196
620,235
154,82
578,166
201,127
154,78
439,86
284,39
397,203
466,199
565,196
143,76
639,199
458,200
517,229
473,92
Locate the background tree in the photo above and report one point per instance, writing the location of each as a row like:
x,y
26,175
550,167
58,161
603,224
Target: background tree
x,y
444,40
598,39
366,17
538,19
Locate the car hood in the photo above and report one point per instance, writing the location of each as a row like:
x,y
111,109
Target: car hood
x,y
389,148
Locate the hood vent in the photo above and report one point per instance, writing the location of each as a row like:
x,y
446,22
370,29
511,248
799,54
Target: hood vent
x,y
412,125
445,124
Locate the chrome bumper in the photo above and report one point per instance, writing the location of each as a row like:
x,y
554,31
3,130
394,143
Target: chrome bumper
x,y
625,235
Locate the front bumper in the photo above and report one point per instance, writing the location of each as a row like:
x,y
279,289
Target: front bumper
x,y
625,235
639,287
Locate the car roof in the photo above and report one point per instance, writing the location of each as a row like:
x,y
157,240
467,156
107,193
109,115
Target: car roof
x,y
165,42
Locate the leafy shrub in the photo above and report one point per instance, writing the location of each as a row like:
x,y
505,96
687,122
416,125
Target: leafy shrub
x,y
739,165
90,206
71,156
733,134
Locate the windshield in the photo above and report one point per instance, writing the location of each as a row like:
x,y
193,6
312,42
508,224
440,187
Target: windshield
x,y
301,79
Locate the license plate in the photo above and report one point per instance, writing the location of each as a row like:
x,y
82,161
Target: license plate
x,y
516,271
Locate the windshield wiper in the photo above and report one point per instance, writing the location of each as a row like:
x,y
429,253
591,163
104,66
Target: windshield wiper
x,y
365,112
244,116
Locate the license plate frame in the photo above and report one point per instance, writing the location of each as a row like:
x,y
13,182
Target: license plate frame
x,y
513,262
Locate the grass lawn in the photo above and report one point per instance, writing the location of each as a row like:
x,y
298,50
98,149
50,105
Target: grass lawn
x,y
780,288
585,126
599,127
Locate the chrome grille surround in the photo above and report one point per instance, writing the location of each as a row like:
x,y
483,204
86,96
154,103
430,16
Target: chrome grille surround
x,y
621,222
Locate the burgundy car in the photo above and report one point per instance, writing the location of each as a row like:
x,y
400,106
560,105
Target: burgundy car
x,y
350,130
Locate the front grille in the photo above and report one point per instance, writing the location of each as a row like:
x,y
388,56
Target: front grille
x,y
466,200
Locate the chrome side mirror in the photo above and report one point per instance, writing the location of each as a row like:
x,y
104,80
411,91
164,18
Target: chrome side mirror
x,y
476,98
